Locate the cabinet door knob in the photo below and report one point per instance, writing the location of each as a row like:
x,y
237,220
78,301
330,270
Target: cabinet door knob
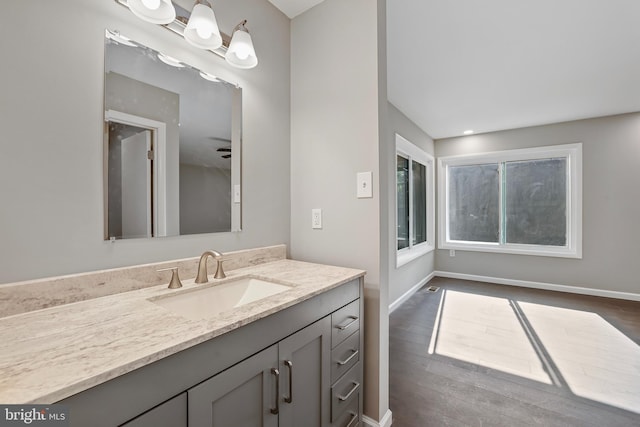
x,y
275,372
289,364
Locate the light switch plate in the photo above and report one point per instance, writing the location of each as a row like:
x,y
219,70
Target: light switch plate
x,y
236,193
365,189
316,218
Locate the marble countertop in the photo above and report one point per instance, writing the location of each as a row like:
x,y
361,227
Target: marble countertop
x,y
50,354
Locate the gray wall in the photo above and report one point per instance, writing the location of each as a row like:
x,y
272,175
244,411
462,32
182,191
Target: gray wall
x,y
611,206
334,135
407,276
51,115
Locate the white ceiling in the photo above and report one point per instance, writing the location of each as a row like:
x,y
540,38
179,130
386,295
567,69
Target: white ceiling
x,y
499,64
491,65
293,8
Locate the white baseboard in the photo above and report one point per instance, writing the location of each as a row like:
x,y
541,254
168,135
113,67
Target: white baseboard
x,y
540,285
410,292
386,421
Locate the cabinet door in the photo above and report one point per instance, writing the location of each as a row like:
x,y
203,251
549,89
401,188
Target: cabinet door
x,y
243,395
305,365
172,413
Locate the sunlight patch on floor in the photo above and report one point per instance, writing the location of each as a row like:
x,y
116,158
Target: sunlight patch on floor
x,y
485,331
580,344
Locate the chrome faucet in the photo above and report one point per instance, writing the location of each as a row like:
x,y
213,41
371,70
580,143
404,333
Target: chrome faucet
x,y
202,276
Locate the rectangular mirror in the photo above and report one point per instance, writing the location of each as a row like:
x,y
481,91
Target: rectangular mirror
x,y
172,145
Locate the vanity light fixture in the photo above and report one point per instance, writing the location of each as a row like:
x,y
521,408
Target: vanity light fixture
x,y
209,77
169,60
202,28
199,28
241,53
119,38
468,132
154,11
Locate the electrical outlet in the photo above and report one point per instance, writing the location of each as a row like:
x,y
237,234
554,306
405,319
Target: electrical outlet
x,y
452,252
316,218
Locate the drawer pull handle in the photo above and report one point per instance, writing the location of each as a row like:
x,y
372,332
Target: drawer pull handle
x,y
276,373
354,418
354,319
289,365
348,359
356,385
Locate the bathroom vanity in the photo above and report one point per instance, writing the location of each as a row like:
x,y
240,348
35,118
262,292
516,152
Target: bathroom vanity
x,y
290,359
298,367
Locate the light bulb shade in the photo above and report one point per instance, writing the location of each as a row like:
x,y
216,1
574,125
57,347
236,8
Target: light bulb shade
x,y
241,53
202,29
165,13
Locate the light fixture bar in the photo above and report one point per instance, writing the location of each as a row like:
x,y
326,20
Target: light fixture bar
x,y
180,24
114,36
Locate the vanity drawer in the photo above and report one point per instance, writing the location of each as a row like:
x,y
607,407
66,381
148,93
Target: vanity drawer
x,y
351,415
344,322
345,355
345,391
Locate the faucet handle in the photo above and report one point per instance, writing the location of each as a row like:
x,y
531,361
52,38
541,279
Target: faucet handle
x,y
175,282
219,271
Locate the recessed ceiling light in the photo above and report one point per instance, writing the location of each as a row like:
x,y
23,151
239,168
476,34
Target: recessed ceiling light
x,y
468,132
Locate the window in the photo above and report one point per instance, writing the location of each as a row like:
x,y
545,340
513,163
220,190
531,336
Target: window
x,y
517,201
415,201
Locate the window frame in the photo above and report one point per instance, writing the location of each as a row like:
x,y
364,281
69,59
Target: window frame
x,y
573,154
412,152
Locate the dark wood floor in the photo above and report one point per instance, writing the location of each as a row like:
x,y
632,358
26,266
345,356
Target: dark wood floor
x,y
477,354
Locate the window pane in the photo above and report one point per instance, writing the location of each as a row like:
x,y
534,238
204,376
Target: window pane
x,y
403,201
474,196
419,202
536,202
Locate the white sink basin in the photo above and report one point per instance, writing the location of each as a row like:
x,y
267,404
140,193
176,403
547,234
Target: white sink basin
x,y
212,300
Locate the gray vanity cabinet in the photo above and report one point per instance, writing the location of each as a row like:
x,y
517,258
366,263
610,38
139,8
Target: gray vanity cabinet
x,y
172,413
286,385
243,395
307,354
305,376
